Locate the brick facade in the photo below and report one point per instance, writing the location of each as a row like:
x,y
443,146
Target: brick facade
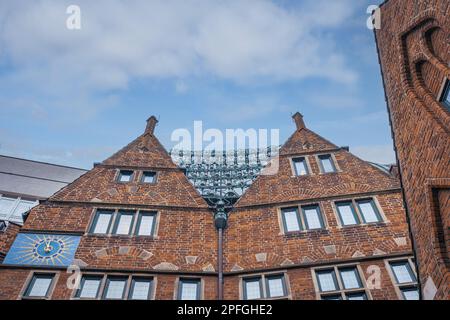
x,y
414,51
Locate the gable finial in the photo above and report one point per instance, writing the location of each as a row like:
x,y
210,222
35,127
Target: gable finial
x,y
151,124
298,119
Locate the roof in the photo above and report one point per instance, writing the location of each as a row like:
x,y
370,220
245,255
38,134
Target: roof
x,y
33,178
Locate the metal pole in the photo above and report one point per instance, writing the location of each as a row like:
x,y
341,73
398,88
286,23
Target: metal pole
x,y
220,265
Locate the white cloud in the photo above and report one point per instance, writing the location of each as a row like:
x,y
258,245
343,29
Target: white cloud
x,y
241,41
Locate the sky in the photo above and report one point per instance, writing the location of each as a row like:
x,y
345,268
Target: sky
x,y
75,96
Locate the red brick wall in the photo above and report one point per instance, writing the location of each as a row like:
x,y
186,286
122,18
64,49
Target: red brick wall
x,y
414,54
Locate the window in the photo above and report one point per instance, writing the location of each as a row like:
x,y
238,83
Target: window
x,y
125,176
89,287
11,209
327,163
264,286
115,288
369,211
310,219
140,289
355,212
145,224
291,219
102,221
339,283
405,278
189,289
148,177
39,286
126,222
446,95
300,166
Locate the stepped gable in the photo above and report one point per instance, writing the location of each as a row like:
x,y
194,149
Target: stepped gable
x,y
144,153
353,176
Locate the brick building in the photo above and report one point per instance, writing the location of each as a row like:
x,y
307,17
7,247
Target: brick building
x,y
414,52
326,225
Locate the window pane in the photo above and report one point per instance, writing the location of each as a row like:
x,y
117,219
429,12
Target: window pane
x,y
410,294
124,223
39,286
89,287
252,289
115,288
332,297
6,205
189,290
346,214
145,224
140,289
312,217
125,175
300,167
291,219
327,163
368,211
148,177
102,222
327,280
276,286
403,272
350,278
446,98
356,296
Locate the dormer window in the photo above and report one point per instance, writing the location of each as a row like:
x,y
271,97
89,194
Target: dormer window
x,y
125,176
148,177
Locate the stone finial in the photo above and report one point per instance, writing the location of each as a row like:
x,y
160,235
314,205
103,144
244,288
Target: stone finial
x,y
151,124
298,119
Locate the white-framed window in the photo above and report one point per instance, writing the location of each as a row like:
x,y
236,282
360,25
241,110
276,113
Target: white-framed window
x,y
148,177
304,217
404,277
265,286
12,208
340,283
125,176
358,211
300,166
326,163
39,286
124,222
189,289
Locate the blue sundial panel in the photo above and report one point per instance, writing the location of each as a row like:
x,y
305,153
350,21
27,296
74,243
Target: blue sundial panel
x,y
42,249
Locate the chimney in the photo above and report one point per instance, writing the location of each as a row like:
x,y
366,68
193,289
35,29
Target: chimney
x,y
151,124
298,119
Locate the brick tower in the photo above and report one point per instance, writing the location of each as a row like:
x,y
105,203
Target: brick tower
x,y
325,225
414,52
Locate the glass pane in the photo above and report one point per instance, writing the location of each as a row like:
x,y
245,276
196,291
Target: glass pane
x,y
40,286
356,296
346,214
312,218
252,289
276,288
125,176
402,272
332,297
447,95
291,220
124,224
300,167
6,205
102,223
350,278
326,280
149,177
327,164
140,289
115,289
410,294
368,211
146,225
189,290
89,288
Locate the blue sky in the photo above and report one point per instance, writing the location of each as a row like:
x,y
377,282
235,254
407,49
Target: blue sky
x,y
75,96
